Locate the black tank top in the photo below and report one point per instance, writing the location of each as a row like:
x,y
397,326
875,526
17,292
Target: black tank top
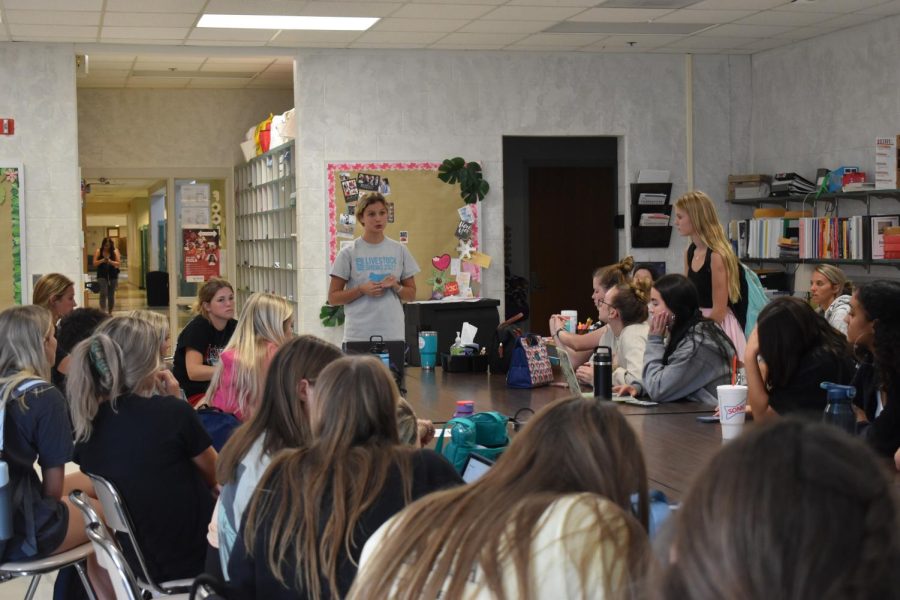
x,y
702,279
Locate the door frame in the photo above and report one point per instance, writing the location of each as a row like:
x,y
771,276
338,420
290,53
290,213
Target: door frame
x,y
169,175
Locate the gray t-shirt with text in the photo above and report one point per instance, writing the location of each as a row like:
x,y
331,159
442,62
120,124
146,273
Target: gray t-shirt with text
x,y
367,316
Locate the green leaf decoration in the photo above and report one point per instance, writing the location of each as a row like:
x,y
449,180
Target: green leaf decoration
x,y
331,316
472,186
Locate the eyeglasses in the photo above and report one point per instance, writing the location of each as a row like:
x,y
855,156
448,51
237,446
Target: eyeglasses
x,y
606,303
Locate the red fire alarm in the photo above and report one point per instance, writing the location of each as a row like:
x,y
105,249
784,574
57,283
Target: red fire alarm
x,y
7,126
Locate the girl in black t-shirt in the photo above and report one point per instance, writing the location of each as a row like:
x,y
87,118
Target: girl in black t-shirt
x,y
204,338
799,350
36,429
315,508
132,430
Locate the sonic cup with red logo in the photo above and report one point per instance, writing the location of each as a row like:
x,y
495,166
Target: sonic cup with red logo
x,y
732,409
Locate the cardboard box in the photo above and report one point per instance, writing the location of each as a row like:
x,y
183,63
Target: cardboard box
x,y
742,187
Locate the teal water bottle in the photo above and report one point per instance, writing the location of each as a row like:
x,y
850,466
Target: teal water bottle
x,y
379,349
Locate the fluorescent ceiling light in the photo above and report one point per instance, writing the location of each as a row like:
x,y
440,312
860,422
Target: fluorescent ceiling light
x,y
287,22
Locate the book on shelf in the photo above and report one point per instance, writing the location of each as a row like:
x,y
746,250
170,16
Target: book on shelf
x,y
786,184
802,238
878,226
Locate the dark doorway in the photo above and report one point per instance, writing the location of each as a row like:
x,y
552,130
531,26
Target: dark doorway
x,y
569,238
559,207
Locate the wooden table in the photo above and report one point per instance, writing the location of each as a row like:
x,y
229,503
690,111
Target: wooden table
x,y
676,446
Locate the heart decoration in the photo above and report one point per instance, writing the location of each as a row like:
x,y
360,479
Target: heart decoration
x,y
442,262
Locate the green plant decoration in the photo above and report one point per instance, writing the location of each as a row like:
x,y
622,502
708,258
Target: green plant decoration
x,y
331,316
472,186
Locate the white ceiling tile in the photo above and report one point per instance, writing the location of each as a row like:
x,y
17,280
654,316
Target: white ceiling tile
x,y
441,11
640,42
697,42
157,6
526,48
848,21
143,42
112,57
744,31
272,85
803,33
118,19
400,37
737,4
245,60
579,3
142,33
76,5
386,46
311,45
157,82
220,43
269,75
704,16
80,32
888,9
481,2
236,35
350,9
838,6
533,13
472,47
766,44
293,37
507,26
99,64
258,7
157,63
48,17
570,40
420,25
203,82
621,15
233,67
786,18
480,39
3,36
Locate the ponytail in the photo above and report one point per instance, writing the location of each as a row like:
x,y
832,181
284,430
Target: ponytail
x,y
93,378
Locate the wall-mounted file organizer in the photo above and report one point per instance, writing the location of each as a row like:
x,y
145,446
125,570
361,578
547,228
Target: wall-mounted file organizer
x,y
650,215
266,225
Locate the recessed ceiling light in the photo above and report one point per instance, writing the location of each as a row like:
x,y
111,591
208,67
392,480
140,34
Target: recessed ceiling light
x,y
287,22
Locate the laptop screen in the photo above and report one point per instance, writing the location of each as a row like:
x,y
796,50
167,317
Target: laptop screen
x,y
476,466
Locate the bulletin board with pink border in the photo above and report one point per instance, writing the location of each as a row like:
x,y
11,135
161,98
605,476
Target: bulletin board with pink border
x,y
426,214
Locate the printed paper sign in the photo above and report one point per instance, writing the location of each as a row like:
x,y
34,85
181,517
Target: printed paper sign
x,y
201,254
480,259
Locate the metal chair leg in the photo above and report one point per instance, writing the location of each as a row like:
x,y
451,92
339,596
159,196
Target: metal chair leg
x,y
32,587
82,573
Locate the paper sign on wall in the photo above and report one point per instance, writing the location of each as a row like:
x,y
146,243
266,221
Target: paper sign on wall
x,y
480,259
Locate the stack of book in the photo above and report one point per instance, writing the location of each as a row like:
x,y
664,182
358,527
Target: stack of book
x,y
841,238
788,184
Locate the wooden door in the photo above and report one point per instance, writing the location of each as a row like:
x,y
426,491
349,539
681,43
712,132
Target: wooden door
x,y
571,233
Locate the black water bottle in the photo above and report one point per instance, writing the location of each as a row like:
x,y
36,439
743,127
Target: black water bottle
x,y
379,349
838,411
601,361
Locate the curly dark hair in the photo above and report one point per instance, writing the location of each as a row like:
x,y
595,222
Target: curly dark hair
x,y
879,301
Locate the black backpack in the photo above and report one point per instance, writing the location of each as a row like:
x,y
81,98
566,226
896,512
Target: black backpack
x,y
502,345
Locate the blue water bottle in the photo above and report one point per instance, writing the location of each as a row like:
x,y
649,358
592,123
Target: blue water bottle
x,y
838,411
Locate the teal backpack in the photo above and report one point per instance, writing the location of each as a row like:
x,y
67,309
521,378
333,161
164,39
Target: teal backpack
x,y
756,298
483,433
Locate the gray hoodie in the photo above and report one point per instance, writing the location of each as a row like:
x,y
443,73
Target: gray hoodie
x,y
693,371
835,314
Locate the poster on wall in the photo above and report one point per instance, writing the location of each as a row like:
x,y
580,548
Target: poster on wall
x,y
13,289
201,254
195,206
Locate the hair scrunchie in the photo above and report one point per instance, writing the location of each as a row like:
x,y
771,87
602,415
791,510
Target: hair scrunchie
x,y
99,364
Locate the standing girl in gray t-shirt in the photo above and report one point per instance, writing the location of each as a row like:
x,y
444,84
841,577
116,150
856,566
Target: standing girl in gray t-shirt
x,y
372,277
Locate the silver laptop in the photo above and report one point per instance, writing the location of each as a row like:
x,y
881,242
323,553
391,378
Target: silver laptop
x,y
568,371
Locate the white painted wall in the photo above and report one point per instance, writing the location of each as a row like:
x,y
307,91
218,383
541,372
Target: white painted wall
x,y
147,128
432,105
39,93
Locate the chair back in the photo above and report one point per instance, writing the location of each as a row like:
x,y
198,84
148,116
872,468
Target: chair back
x,y
81,502
111,558
116,516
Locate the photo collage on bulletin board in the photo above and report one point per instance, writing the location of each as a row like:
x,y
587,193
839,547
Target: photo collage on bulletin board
x,y
424,213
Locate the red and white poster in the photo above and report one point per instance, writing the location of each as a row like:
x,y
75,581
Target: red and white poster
x,y
201,254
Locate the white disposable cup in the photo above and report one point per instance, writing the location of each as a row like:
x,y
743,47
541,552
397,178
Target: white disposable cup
x,y
571,317
732,409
